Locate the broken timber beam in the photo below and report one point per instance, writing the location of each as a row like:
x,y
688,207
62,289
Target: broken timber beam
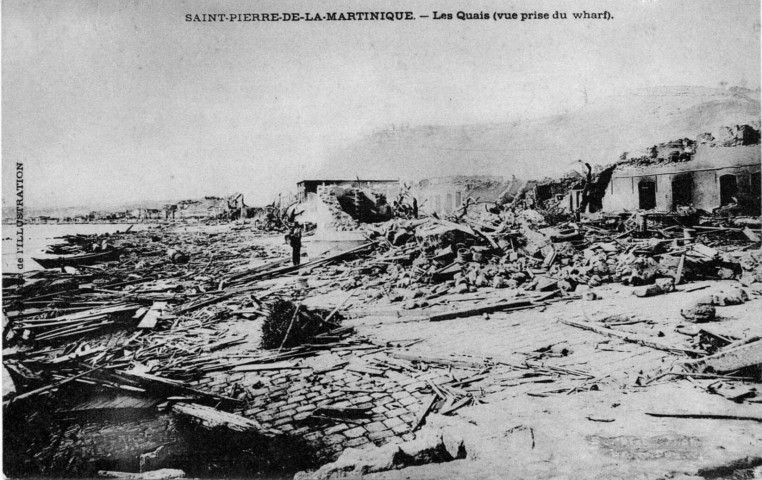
x,y
629,337
469,312
212,418
313,263
711,416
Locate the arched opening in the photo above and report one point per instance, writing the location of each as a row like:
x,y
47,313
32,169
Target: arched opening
x,y
728,189
646,194
682,191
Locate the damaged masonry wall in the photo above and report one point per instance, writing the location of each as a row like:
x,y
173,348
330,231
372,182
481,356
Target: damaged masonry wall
x,y
335,208
704,174
714,177
444,195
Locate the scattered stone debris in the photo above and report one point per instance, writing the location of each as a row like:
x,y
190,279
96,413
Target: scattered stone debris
x,y
433,445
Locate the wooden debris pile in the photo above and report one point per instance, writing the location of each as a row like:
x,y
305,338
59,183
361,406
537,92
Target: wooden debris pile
x,y
289,325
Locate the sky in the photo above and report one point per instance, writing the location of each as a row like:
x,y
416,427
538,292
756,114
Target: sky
x,y
108,101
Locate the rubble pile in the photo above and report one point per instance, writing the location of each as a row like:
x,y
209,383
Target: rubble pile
x,y
340,220
419,260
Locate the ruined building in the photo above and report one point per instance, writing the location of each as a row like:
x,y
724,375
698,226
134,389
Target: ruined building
x,y
340,205
307,187
445,195
705,174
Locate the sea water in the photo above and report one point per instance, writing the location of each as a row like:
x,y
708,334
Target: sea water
x,y
37,238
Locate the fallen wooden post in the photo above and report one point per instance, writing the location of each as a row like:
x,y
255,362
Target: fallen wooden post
x,y
469,312
711,416
313,263
629,337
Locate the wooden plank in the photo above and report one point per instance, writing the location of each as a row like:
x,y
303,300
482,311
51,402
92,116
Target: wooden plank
x,y
267,366
708,252
712,416
316,262
205,303
680,266
212,418
152,317
78,355
442,361
751,235
457,405
69,333
364,369
74,323
89,313
471,311
428,402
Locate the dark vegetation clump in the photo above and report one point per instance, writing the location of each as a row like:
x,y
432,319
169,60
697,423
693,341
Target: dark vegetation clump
x,y
307,324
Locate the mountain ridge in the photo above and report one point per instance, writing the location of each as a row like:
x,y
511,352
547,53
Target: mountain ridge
x,y
597,132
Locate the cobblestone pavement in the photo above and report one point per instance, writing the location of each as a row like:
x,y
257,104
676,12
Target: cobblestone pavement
x,y
286,399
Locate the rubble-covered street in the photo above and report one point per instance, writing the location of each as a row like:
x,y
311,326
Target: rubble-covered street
x,y
424,240
502,337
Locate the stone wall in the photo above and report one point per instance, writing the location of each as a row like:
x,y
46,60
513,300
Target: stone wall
x,y
702,173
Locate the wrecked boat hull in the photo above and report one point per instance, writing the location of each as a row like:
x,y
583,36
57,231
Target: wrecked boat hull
x,y
76,260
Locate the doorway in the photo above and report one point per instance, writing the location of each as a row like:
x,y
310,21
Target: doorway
x,y
682,191
728,189
646,194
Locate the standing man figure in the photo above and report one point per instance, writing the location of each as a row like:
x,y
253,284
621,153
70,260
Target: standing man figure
x,y
294,237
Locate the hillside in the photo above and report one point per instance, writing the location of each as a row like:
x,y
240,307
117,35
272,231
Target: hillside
x,y
598,133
